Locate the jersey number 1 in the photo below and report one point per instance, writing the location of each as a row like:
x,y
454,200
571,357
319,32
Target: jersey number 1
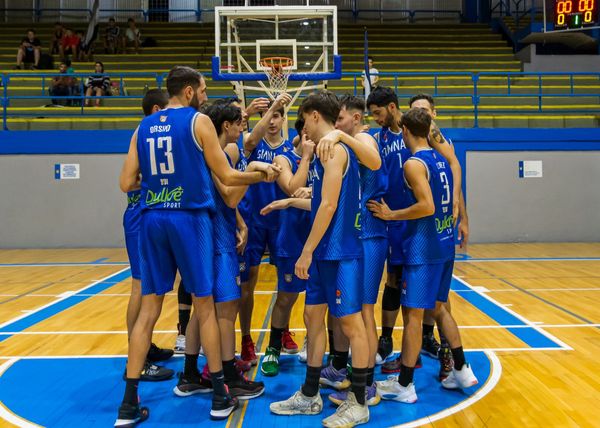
x,y
166,144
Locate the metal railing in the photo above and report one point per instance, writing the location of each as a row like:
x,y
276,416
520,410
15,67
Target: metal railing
x,y
442,86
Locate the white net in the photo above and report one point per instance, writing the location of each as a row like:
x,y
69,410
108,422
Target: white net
x,y
278,71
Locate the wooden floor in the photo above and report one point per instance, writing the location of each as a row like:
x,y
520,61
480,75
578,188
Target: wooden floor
x,y
553,288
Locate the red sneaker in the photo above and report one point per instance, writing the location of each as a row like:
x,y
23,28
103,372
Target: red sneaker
x,y
287,343
242,366
248,353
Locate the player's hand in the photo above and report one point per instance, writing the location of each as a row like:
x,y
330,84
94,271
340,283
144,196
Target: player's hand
x,y
281,204
270,170
380,209
463,233
302,265
308,147
303,193
365,128
241,237
282,100
257,105
455,211
326,144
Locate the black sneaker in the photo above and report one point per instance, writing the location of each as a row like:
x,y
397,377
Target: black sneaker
x,y
192,385
223,406
154,373
430,346
130,415
244,389
446,363
384,349
156,354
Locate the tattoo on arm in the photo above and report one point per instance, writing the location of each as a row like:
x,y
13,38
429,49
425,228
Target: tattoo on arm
x,y
436,135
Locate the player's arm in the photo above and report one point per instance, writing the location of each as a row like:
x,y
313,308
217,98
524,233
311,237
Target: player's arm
x,y
129,179
206,136
416,175
259,131
332,184
241,233
283,204
439,143
289,182
463,225
367,153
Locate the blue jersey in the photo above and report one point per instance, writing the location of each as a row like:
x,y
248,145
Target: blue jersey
x,y
373,186
342,238
294,224
245,205
174,172
263,194
431,239
131,216
224,223
393,154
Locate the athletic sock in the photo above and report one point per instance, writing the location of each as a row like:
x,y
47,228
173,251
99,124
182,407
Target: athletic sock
x,y
443,341
275,339
218,383
458,355
359,381
340,360
190,366
184,319
370,375
406,375
131,391
427,330
229,370
391,298
387,331
311,382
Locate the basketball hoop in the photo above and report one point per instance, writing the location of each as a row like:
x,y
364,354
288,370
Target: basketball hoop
x,y
277,69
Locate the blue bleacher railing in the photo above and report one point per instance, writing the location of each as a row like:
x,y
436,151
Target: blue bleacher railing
x,y
474,88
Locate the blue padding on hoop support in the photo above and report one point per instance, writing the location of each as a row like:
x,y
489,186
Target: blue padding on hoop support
x,y
217,75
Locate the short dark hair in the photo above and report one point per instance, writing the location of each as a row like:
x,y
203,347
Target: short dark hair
x,y
130,20
351,102
370,58
382,96
299,125
281,110
422,96
180,77
417,121
111,19
101,65
324,102
31,29
221,112
154,97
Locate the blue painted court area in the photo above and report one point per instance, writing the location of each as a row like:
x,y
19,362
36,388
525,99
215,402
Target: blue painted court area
x,y
76,392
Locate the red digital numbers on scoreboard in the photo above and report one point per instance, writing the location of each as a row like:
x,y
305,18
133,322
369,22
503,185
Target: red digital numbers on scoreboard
x,y
575,13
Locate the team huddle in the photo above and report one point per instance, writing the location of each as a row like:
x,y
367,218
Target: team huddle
x,y
207,198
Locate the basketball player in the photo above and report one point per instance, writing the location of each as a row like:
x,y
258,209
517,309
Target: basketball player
x,y
428,248
227,119
154,100
336,273
262,144
175,150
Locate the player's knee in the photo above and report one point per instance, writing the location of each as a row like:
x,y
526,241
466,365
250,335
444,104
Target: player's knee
x,y
391,299
228,310
286,300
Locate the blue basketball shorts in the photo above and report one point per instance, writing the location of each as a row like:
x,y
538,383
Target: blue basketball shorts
x,y
286,279
172,240
338,283
375,252
258,240
424,285
396,234
131,228
227,278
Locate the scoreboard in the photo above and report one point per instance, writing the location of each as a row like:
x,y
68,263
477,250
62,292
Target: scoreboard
x,y
575,14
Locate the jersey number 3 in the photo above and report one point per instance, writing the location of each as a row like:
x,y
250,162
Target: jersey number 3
x,y
164,143
446,195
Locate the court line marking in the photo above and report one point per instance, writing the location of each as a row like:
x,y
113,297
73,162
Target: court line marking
x,y
5,412
266,330
535,327
490,384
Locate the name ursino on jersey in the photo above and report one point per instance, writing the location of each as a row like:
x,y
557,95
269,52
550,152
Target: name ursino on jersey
x,y
160,128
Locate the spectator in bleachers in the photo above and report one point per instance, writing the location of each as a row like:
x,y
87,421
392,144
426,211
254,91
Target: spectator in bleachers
x,y
63,86
97,85
59,32
69,45
112,37
85,49
373,77
29,51
132,36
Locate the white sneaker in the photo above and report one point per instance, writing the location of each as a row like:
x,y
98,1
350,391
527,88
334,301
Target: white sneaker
x,y
298,404
302,357
179,347
463,378
348,414
201,352
390,389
